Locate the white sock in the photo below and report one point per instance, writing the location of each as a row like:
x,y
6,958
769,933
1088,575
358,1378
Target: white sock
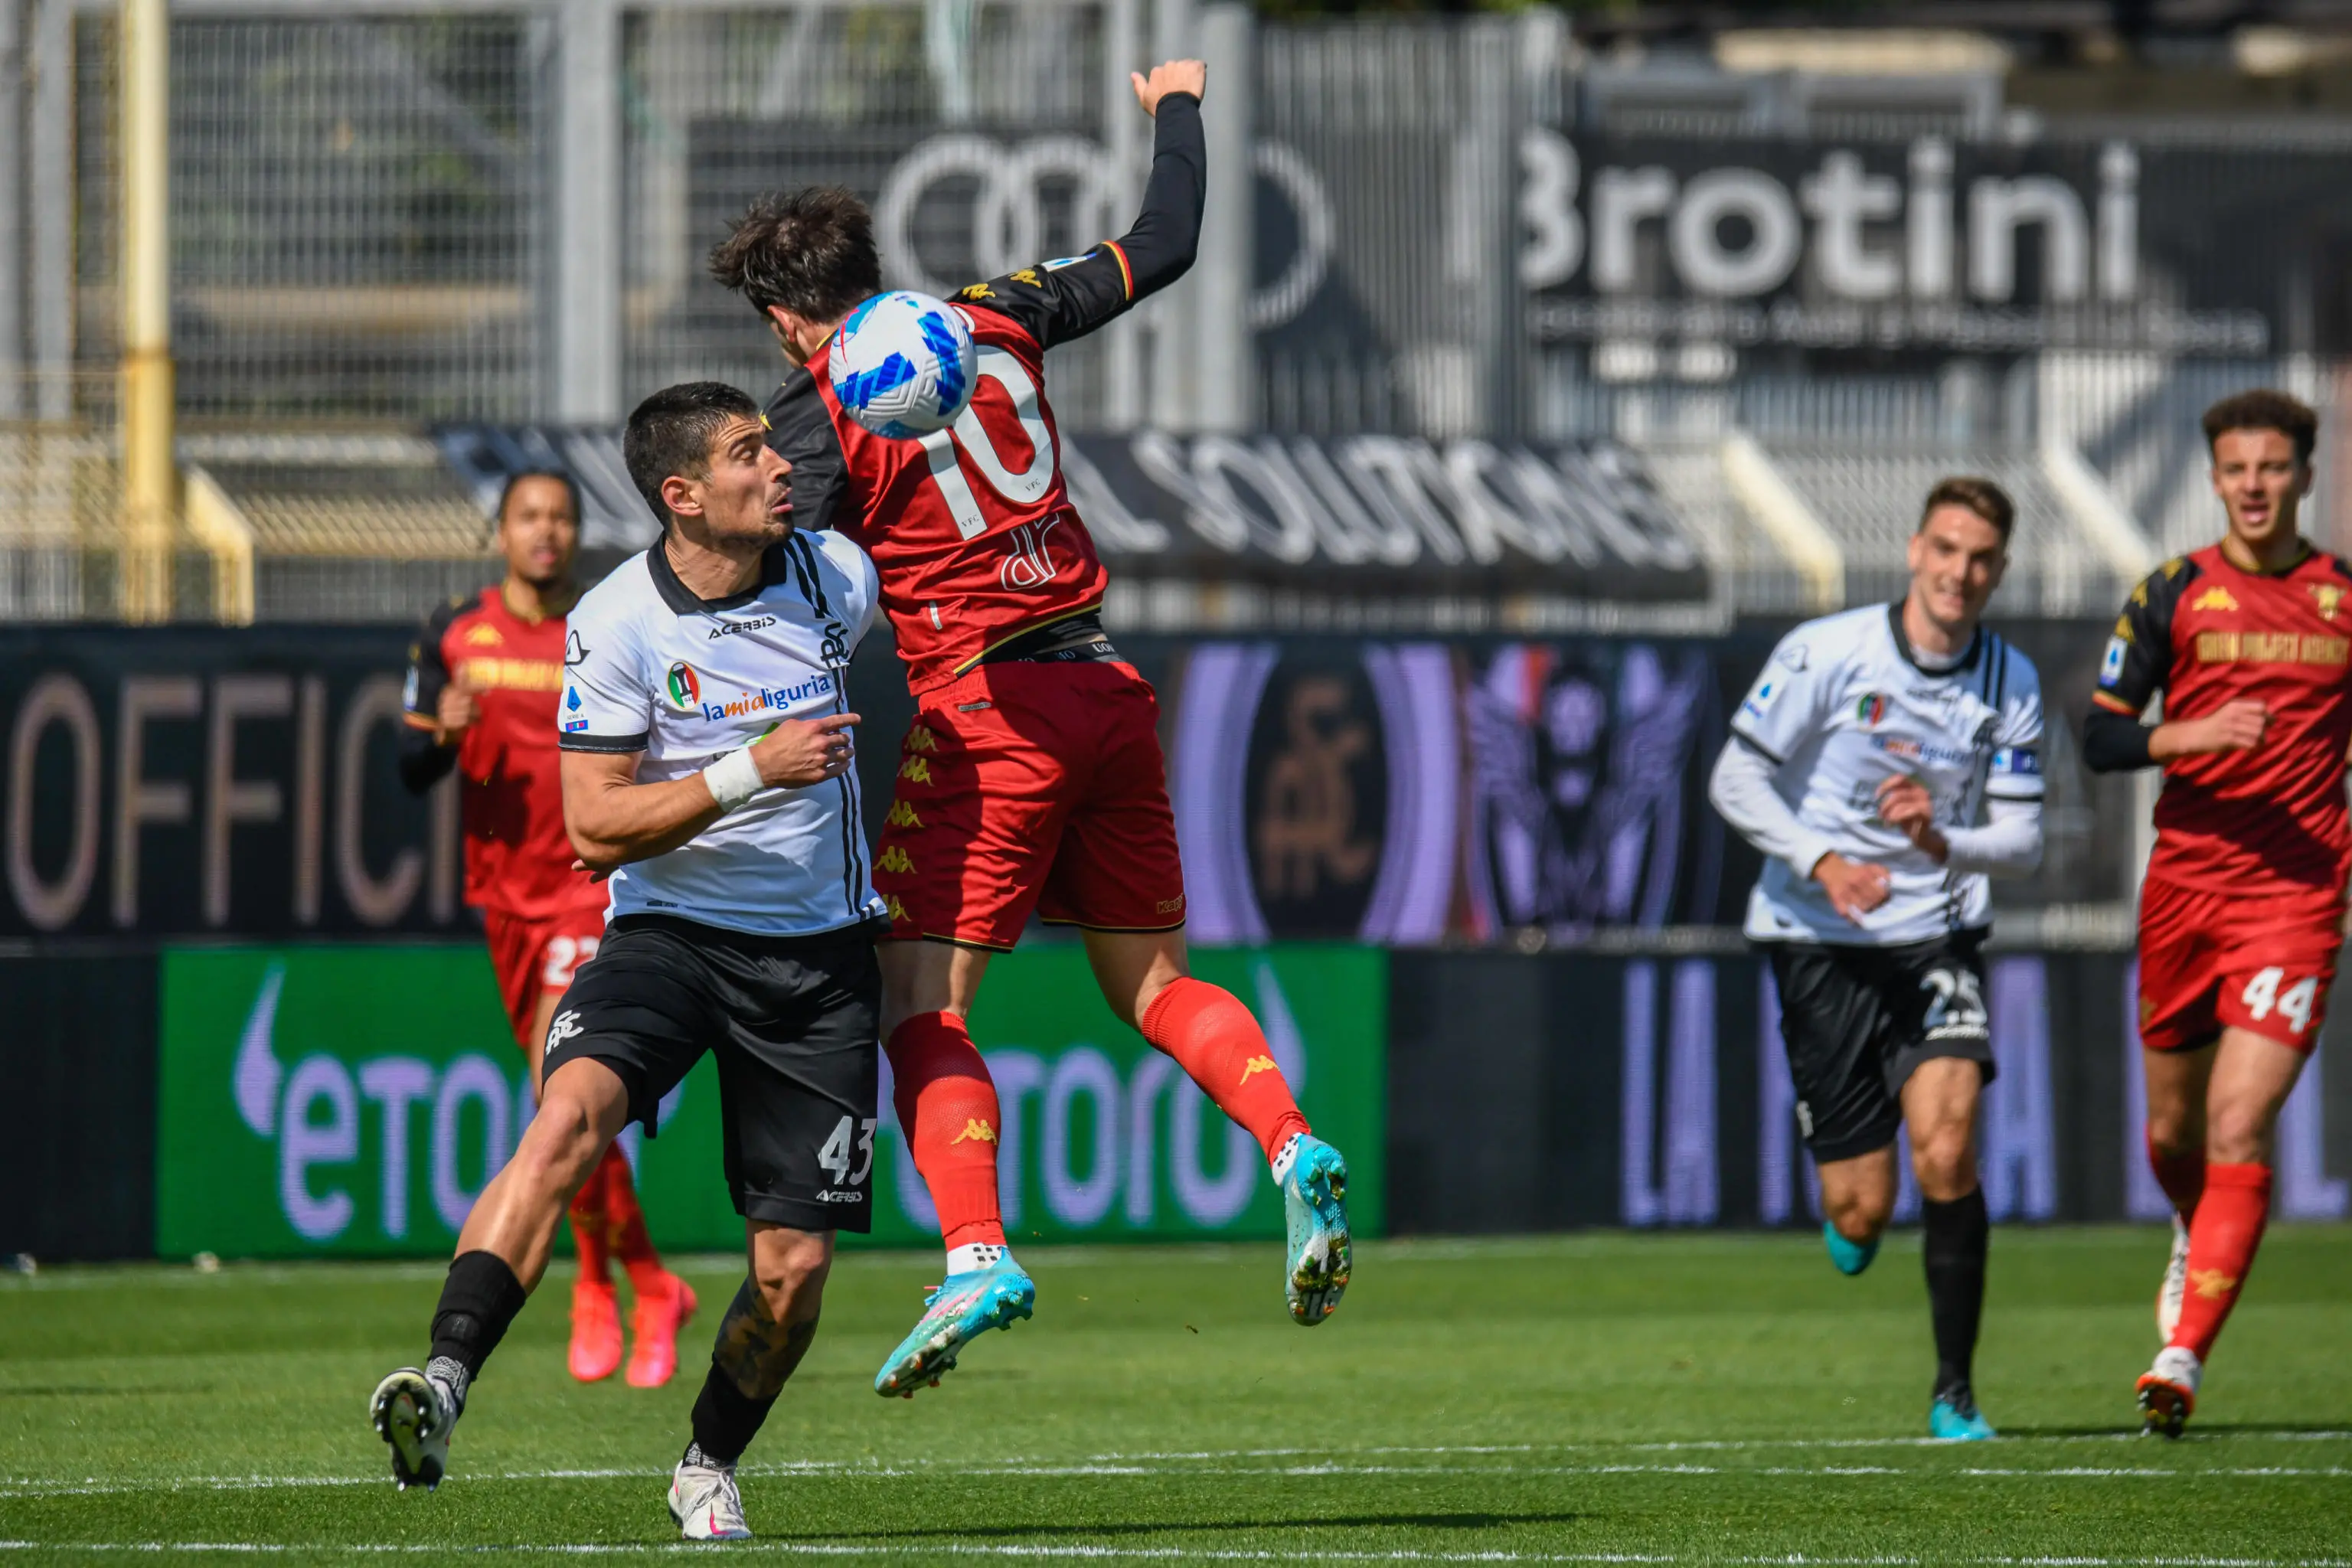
x,y
974,1254
1285,1157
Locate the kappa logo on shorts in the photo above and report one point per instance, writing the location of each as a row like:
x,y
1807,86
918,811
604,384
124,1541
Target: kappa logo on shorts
x,y
566,1026
915,770
898,910
902,816
894,859
1174,906
920,739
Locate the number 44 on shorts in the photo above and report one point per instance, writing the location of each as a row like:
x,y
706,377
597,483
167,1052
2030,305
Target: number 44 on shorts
x,y
2261,994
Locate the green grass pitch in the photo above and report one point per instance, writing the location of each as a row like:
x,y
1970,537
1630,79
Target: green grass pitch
x,y
1581,1399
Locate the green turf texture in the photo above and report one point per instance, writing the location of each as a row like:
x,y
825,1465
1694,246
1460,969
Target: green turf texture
x,y
1692,1398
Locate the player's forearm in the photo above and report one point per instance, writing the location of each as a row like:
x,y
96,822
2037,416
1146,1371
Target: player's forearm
x,y
424,759
2008,845
1741,791
2116,743
1166,237
614,823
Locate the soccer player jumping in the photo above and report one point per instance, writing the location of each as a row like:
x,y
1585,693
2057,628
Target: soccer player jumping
x,y
483,679
1032,777
1861,762
2242,914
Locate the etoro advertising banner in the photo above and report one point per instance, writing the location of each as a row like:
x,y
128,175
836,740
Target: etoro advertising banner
x,y
354,1100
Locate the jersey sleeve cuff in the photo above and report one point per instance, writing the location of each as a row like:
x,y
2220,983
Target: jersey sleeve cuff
x,y
2115,704
2013,792
608,744
1807,851
1758,747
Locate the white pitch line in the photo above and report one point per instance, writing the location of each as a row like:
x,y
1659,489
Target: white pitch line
x,y
20,1489
1087,1551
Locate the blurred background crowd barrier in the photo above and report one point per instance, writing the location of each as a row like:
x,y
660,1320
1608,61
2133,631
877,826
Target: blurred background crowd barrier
x,y
1539,369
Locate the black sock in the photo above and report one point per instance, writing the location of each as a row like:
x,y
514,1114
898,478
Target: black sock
x,y
1956,1237
725,1420
479,1300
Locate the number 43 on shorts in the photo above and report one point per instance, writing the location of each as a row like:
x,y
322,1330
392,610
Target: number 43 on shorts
x,y
2294,1003
835,1154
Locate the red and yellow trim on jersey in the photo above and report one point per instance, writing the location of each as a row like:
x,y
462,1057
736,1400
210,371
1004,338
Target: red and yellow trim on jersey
x,y
975,662
2114,704
1126,273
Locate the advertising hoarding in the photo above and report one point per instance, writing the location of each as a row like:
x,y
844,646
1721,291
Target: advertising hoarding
x,y
352,1100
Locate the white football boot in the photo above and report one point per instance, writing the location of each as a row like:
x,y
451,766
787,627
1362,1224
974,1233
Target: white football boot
x,y
704,1501
2167,1391
2175,1288
413,1411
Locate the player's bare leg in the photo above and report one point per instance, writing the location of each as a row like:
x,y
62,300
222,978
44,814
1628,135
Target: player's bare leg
x,y
596,1345
1214,1038
767,1329
949,1115
502,1253
2247,1083
1857,1203
1939,1107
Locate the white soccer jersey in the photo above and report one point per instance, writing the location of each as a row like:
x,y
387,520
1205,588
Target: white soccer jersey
x,y
650,667
1844,705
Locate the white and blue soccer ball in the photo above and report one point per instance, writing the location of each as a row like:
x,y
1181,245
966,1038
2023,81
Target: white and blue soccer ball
x,y
903,364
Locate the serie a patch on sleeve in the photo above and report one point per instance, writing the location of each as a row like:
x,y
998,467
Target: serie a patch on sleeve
x,y
2111,668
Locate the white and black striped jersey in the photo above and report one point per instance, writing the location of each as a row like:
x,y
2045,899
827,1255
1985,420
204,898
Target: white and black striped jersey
x,y
1845,704
650,667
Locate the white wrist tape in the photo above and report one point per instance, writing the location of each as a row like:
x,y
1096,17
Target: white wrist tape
x,y
733,779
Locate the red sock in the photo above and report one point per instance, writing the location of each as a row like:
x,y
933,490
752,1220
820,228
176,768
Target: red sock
x,y
2221,1242
588,1224
1216,1041
947,1113
624,1226
2182,1175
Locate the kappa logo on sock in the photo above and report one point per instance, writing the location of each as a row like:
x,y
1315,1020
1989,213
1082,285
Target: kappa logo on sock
x,y
1258,1064
2212,1284
974,1132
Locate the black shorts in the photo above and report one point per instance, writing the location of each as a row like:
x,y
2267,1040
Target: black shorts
x,y
793,1022
1858,1021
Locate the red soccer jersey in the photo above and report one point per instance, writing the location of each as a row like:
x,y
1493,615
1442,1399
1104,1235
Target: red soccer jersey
x,y
517,855
2205,633
971,530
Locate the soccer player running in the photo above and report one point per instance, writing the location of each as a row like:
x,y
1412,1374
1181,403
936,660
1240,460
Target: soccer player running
x,y
483,679
1886,764
706,753
2242,914
1032,777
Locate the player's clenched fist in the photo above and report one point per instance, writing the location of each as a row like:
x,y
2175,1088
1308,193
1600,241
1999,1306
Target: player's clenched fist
x,y
798,751
2236,726
1906,806
1170,75
1854,887
455,712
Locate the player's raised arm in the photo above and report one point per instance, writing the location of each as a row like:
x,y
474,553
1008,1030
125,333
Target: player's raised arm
x,y
1058,302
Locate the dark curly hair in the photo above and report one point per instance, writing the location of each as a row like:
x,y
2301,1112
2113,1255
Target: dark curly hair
x,y
810,250
2264,409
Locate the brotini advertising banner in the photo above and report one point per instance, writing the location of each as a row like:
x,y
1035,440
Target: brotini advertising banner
x,y
354,1100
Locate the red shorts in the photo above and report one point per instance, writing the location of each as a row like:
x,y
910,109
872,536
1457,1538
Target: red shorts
x,y
2260,961
532,957
1031,784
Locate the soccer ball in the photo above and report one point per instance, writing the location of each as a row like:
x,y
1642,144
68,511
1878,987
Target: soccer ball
x,y
903,364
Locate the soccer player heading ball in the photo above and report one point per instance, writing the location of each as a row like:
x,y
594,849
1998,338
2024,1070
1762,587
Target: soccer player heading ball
x,y
484,678
1887,762
1032,777
2248,642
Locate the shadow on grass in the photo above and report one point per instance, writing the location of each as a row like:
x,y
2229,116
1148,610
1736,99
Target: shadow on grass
x,y
1481,1520
2196,1428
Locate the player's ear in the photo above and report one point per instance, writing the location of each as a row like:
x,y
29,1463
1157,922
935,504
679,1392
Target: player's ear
x,y
681,496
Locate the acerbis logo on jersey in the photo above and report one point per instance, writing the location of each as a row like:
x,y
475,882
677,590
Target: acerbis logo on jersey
x,y
730,628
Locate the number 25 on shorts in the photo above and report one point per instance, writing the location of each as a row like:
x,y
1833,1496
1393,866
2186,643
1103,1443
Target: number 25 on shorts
x,y
2261,996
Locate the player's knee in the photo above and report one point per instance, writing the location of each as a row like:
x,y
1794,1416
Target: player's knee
x,y
1945,1163
2238,1134
561,1146
1858,1213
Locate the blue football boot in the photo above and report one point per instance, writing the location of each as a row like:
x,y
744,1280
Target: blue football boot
x,y
1848,1256
1955,1419
965,1305
1315,1204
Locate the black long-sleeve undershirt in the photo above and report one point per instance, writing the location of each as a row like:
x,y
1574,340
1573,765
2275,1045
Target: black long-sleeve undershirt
x,y
2115,743
423,764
